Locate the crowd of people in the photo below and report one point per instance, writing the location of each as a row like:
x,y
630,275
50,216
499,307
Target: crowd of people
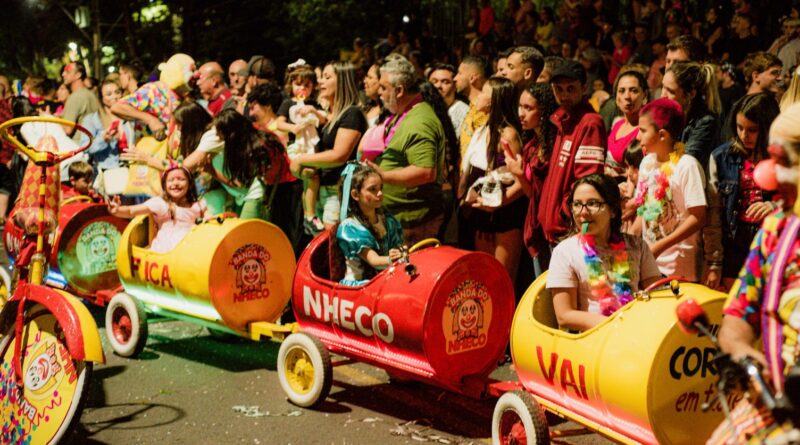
x,y
553,140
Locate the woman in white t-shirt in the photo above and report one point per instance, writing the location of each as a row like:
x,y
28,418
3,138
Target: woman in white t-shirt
x,y
595,271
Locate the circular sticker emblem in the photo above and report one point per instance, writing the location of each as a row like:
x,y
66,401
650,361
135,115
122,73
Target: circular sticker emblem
x,y
249,264
97,248
38,407
466,317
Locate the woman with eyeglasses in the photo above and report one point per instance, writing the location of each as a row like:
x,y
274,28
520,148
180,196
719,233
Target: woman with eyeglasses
x,y
596,270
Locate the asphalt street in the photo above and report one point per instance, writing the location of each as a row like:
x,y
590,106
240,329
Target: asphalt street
x,y
190,388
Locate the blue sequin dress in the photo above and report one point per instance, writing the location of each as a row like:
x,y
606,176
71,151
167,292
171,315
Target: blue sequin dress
x,y
353,238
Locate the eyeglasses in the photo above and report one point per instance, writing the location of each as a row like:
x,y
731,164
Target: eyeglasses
x,y
592,206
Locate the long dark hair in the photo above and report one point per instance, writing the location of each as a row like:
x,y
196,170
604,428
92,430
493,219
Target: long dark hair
x,y
630,71
241,146
360,175
608,189
194,120
545,136
503,113
760,108
452,157
191,193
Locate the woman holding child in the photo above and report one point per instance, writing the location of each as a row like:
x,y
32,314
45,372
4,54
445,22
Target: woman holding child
x,y
339,136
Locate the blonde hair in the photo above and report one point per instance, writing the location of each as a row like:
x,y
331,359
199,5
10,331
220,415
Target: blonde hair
x,y
346,93
693,76
786,127
792,94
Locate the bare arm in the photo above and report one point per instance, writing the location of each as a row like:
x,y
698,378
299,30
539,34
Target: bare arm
x,y
736,337
565,304
121,211
281,124
343,146
515,167
380,261
195,160
692,223
512,143
126,112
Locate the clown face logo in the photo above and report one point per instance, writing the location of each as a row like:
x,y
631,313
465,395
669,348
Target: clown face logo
x,y
250,265
38,373
100,246
466,317
96,248
251,274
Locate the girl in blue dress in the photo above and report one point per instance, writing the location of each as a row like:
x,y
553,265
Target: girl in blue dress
x,y
368,236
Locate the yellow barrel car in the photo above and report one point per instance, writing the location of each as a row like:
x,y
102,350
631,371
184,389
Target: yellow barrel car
x,y
230,275
635,378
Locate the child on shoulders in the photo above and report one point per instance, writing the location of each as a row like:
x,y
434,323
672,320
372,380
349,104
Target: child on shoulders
x,y
368,236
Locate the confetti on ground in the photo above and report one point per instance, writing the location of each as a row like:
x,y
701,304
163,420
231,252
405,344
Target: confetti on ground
x,y
255,411
418,433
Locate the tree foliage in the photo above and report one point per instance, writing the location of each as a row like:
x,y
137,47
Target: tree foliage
x,y
36,32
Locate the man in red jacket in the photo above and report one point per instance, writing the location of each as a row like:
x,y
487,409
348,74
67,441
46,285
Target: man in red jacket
x,y
579,149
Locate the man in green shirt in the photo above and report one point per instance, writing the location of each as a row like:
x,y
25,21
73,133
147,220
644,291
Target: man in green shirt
x,y
412,164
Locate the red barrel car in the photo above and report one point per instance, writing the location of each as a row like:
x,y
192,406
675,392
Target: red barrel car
x,y
443,317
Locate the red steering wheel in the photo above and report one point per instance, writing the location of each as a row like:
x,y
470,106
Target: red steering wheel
x,y
666,280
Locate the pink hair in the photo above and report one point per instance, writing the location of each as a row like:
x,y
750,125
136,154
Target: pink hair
x,y
666,114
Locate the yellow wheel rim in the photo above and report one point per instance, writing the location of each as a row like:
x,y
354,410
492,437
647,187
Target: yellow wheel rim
x,y
299,370
51,385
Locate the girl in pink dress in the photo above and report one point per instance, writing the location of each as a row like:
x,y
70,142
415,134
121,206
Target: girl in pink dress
x,y
175,212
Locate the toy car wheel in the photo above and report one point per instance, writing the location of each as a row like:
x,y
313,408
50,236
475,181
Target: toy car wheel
x,y
518,419
126,325
5,286
304,369
62,398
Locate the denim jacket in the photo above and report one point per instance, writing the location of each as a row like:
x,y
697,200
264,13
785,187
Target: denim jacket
x,y
724,169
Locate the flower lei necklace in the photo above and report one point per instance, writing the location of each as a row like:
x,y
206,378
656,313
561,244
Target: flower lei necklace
x,y
653,191
610,288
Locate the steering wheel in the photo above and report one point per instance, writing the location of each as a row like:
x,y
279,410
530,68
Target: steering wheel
x,y
40,157
424,243
79,198
667,280
222,217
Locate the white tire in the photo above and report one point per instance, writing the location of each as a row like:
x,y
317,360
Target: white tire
x,y
304,369
126,325
517,419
